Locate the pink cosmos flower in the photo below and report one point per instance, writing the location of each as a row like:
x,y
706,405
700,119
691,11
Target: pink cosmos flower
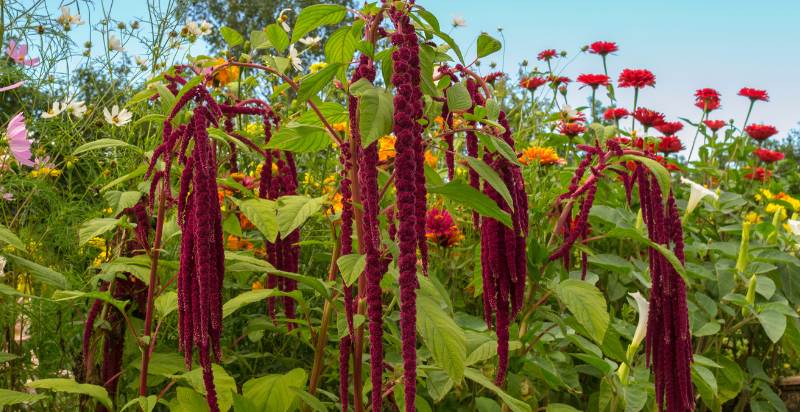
x,y
12,86
18,140
17,52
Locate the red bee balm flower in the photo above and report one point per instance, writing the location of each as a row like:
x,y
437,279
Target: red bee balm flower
x,y
707,99
768,156
670,144
616,113
761,131
532,83
669,128
571,129
441,229
760,174
714,125
648,118
593,80
546,55
754,94
637,78
603,47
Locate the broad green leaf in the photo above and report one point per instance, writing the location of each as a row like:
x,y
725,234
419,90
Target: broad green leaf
x,y
312,84
120,201
487,45
248,263
5,357
513,403
231,36
261,213
316,16
136,173
224,383
497,145
277,37
7,236
8,397
190,84
141,96
588,305
165,96
41,273
466,195
273,392
103,144
293,211
309,399
95,227
659,171
166,303
190,400
341,46
259,40
426,57
351,266
489,175
69,385
705,381
246,298
375,114
442,337
300,138
146,404
774,324
452,43
64,295
560,407
458,98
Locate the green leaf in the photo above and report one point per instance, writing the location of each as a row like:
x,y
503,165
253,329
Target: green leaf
x,y
442,337
246,298
309,399
487,45
588,305
341,46
64,295
513,403
95,227
774,324
705,381
426,57
261,213
497,145
103,144
190,400
7,236
466,195
41,273
375,114
316,16
120,201
313,83
224,383
8,397
249,263
273,392
560,407
231,36
659,171
69,385
5,357
458,98
299,138
277,37
259,40
146,404
489,175
351,267
293,211
166,303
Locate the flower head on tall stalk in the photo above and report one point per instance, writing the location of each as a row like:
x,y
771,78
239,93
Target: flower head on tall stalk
x,y
638,79
760,132
707,99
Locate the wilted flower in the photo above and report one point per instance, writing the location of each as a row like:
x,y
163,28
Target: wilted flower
x,y
637,78
767,155
542,155
459,21
754,94
440,228
114,43
18,141
18,53
117,117
140,61
698,192
760,131
282,18
12,86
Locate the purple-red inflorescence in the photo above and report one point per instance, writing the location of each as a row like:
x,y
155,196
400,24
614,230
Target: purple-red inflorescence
x,y
408,110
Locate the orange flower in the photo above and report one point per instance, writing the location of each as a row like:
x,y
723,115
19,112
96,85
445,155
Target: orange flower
x,y
386,148
244,222
226,75
257,285
431,159
340,127
539,154
236,243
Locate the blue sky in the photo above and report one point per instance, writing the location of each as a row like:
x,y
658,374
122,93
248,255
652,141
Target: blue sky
x,y
688,44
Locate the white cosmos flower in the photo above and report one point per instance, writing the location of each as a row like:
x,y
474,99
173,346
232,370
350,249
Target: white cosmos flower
x,y
205,28
115,44
794,226
54,110
141,61
697,194
644,310
192,28
76,108
310,41
294,57
459,21
117,117
66,19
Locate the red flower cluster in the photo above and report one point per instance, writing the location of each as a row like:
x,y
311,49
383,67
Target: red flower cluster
x,y
670,144
556,81
669,128
707,99
754,94
441,229
571,129
532,83
759,174
648,118
603,48
616,113
637,78
593,80
768,156
546,55
493,76
761,131
714,125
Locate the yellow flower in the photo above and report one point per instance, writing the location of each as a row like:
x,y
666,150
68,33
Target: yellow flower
x,y
752,218
97,242
108,210
773,207
315,67
540,154
386,148
340,127
254,128
431,159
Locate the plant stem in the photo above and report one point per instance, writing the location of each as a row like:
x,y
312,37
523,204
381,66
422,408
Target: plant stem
x,y
635,102
696,133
